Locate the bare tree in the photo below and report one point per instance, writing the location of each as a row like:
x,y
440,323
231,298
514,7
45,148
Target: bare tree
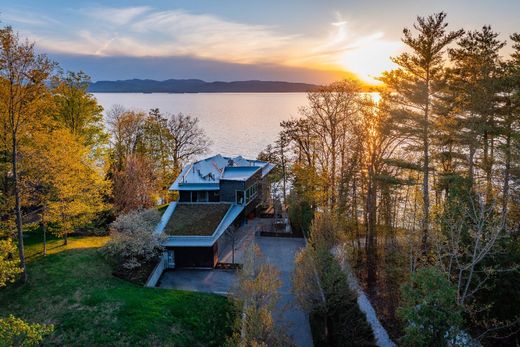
x,y
257,292
470,234
188,139
134,185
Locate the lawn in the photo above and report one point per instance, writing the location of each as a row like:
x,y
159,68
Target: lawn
x,y
73,288
196,219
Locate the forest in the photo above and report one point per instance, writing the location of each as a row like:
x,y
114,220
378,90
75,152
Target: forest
x,y
416,185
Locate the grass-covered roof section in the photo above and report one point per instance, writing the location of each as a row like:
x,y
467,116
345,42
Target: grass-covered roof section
x,y
195,219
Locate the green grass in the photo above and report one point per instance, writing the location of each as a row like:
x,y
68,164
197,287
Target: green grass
x,y
196,219
73,288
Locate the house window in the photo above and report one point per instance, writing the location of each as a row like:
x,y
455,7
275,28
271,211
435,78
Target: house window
x,y
202,196
251,192
240,197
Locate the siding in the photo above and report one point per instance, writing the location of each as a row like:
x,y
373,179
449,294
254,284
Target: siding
x,y
228,188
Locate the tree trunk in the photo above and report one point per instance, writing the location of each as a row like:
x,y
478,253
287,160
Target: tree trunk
x,y
471,165
284,169
18,211
355,219
371,233
426,165
507,169
44,229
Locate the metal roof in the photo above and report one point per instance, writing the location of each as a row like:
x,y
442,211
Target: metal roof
x,y
206,174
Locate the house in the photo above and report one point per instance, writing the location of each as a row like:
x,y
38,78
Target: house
x,y
215,195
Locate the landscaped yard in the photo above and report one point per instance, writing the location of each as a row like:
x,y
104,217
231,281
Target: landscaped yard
x,y
73,288
196,219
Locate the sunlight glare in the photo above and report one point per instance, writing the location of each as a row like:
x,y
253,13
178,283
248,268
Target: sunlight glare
x,y
369,57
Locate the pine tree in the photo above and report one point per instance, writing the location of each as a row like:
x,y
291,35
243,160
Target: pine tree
x,y
415,86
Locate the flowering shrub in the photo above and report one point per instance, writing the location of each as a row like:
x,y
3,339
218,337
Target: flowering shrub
x,y
133,241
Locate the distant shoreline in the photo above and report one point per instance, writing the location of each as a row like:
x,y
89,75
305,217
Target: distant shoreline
x,y
217,92
192,86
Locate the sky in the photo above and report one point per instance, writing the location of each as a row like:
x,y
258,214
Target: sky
x,y
292,40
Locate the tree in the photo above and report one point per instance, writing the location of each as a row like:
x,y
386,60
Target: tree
x,y
78,110
156,145
430,311
188,140
415,86
474,80
22,91
379,143
135,186
331,111
257,294
321,289
62,180
470,233
156,138
126,128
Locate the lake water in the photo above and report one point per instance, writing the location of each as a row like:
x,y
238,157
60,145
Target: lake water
x,y
236,123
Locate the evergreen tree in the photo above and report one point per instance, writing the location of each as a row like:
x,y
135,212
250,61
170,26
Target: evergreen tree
x,y
415,87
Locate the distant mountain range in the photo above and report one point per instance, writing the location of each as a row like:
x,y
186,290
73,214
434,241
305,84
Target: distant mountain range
x,y
197,86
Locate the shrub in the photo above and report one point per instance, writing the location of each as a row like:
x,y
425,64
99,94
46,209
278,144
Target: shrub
x,y
429,310
133,241
16,332
9,262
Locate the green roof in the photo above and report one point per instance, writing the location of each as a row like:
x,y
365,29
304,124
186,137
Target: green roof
x,y
196,219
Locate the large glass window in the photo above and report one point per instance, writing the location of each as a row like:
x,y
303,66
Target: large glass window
x,y
251,192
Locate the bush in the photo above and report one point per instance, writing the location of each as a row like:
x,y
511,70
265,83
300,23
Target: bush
x,y
134,243
9,262
16,332
300,214
429,310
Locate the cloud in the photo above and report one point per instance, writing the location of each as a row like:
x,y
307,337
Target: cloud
x,y
146,32
117,16
26,17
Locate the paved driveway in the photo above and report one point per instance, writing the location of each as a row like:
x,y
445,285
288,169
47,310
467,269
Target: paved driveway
x,y
195,280
279,252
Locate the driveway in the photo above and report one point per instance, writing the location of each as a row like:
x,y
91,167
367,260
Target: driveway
x,y
279,252
195,280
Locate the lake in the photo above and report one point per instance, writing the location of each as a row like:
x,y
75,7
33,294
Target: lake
x,y
236,123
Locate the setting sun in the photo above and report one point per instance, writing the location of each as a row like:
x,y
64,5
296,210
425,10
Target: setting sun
x,y
369,57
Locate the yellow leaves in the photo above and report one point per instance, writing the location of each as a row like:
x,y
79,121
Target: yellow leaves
x,y
9,262
16,332
71,186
